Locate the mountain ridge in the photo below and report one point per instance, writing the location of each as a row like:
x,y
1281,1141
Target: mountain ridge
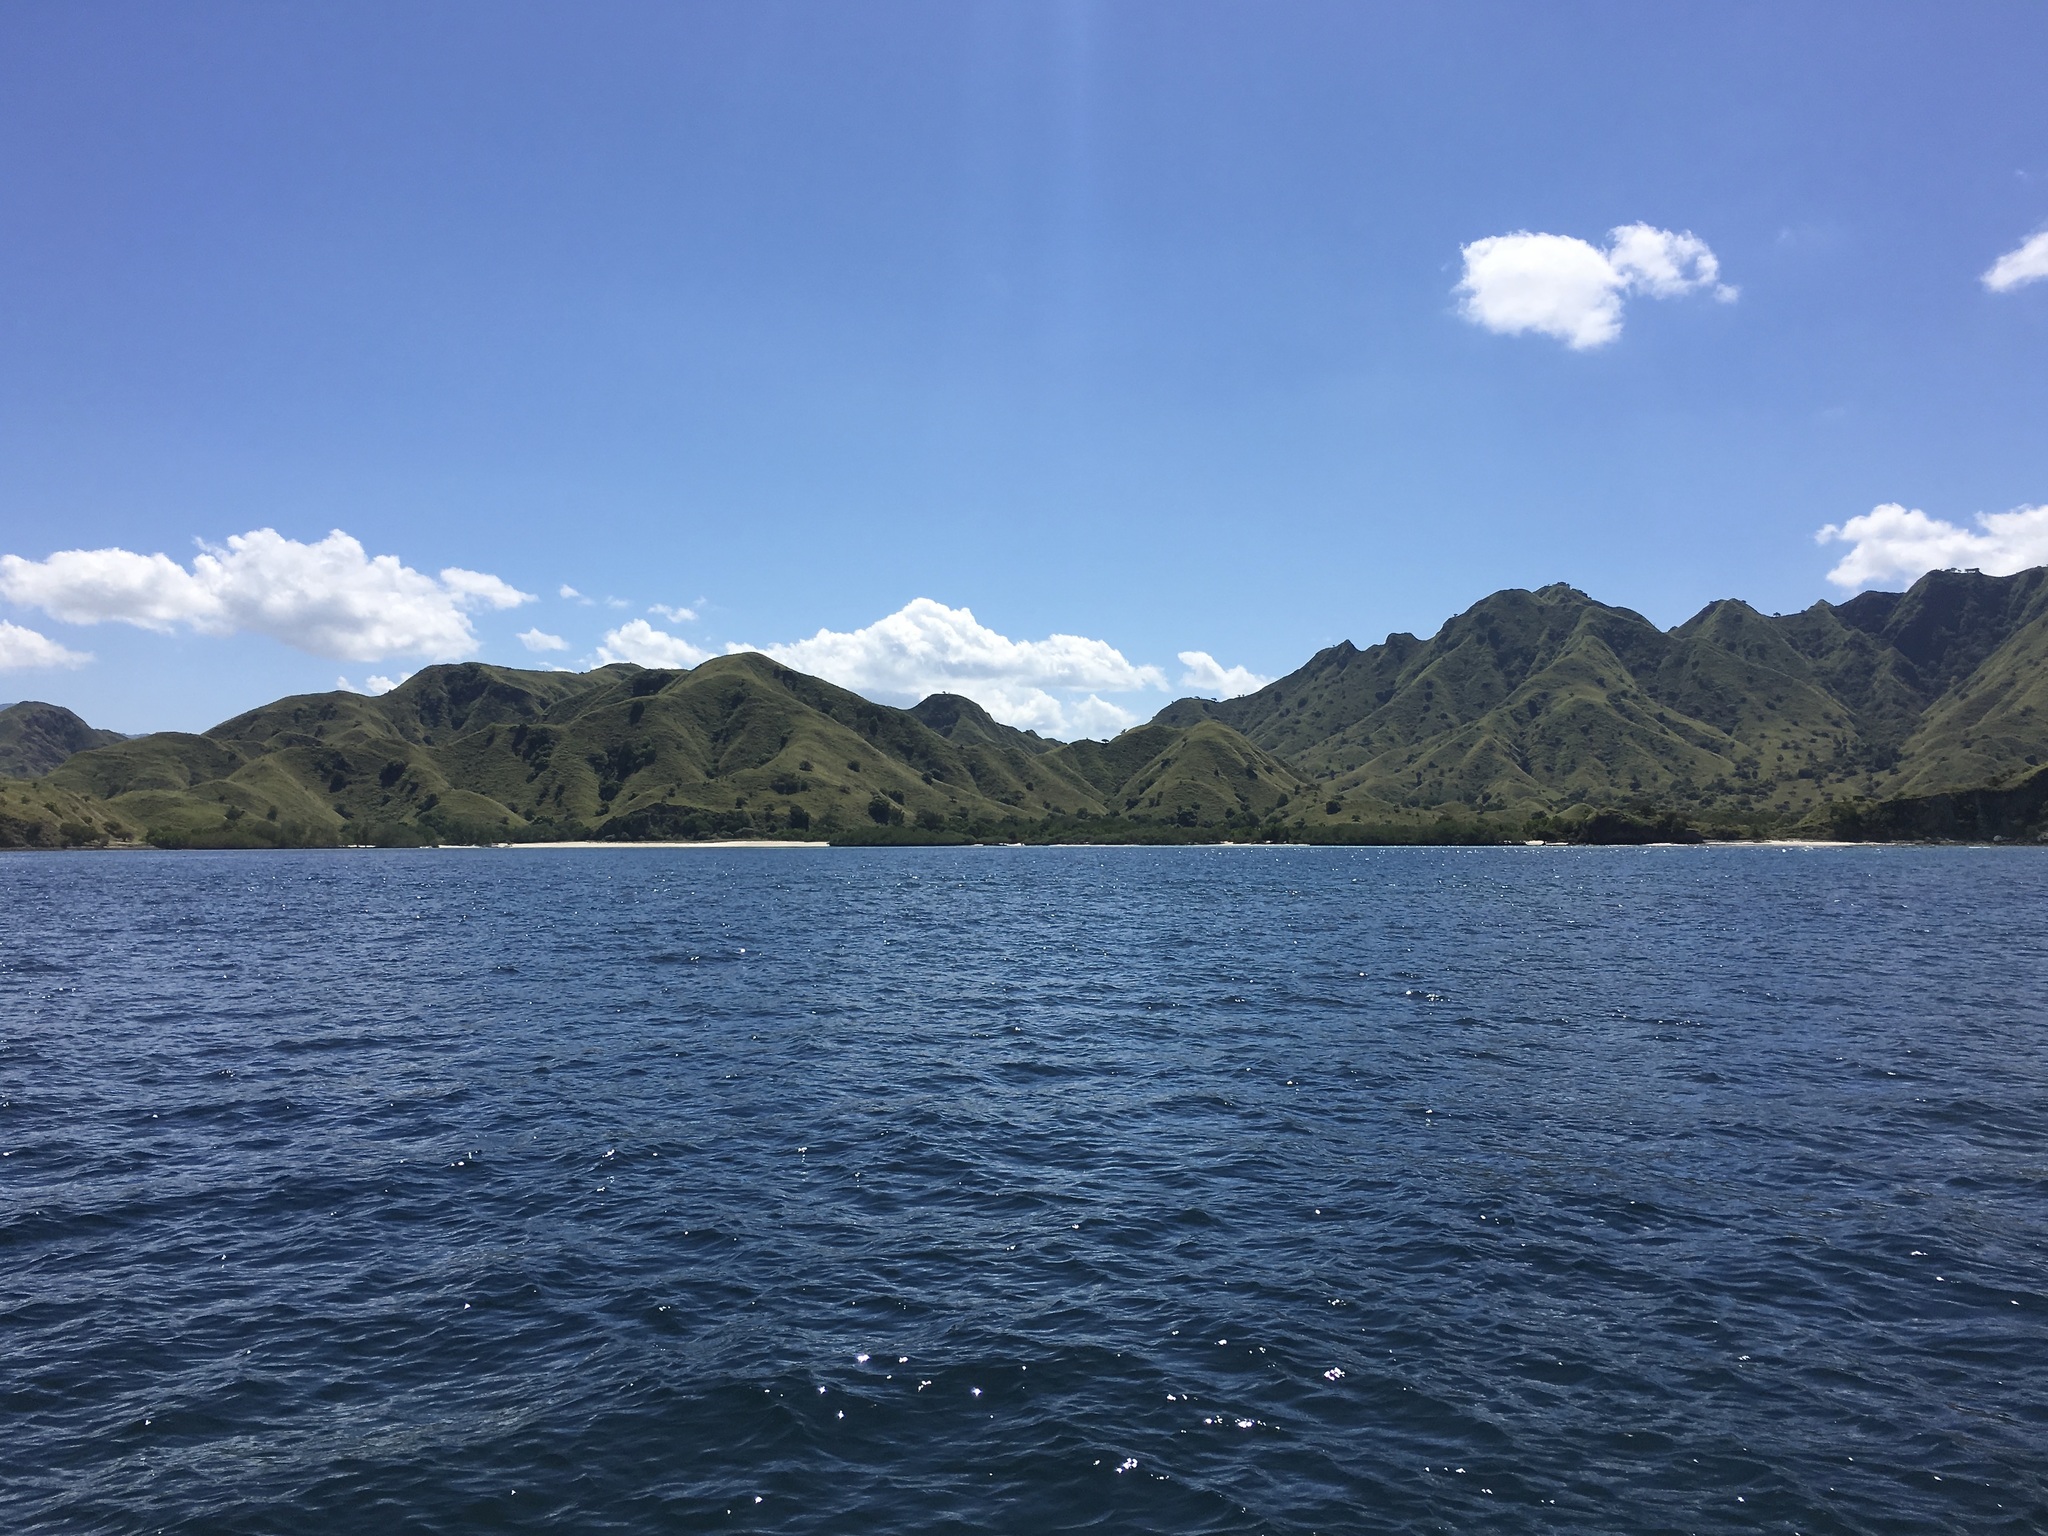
x,y
1539,712
1547,698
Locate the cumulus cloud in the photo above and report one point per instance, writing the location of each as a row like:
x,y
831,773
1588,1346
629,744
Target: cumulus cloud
x,y
2025,263
22,648
572,594
640,642
1666,265
538,639
472,589
1562,286
329,598
1895,542
1093,718
1207,676
674,615
1054,685
373,685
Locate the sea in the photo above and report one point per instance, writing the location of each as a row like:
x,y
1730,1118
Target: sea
x,y
1025,1190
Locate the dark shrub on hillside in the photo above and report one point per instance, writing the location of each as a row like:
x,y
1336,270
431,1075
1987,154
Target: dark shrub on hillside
x,y
19,832
2017,813
899,837
676,823
1617,827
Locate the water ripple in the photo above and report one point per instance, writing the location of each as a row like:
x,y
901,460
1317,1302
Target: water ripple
x,y
1389,1190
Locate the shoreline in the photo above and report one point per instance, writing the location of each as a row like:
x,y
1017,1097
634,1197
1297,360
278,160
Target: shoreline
x,y
737,842
1782,844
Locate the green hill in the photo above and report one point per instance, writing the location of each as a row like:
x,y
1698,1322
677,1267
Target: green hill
x,y
739,746
36,737
1545,712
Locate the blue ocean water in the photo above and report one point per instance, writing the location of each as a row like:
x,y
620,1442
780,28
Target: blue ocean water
x,y
1032,1190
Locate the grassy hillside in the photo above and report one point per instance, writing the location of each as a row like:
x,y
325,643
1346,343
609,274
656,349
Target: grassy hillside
x,y
740,746
41,815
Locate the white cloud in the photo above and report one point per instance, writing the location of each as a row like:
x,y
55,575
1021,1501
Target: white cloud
x,y
674,615
2026,263
640,642
372,685
572,594
1555,284
1208,676
538,639
1093,717
474,589
1563,286
329,598
20,648
90,586
1666,265
1892,541
1052,685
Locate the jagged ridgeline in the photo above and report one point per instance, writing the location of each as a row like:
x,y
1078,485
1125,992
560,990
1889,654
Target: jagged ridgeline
x,y
1548,702
1532,713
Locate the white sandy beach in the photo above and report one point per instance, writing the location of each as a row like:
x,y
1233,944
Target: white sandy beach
x,y
752,842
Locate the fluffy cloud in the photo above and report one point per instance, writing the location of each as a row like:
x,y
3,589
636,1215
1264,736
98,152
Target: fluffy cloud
x,y
2027,263
20,648
328,598
1665,265
1559,285
640,642
674,615
1207,676
538,639
373,685
470,589
1052,685
1895,542
1055,686
1092,718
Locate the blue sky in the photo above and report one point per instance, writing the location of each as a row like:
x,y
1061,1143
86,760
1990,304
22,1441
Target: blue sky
x,y
1138,324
